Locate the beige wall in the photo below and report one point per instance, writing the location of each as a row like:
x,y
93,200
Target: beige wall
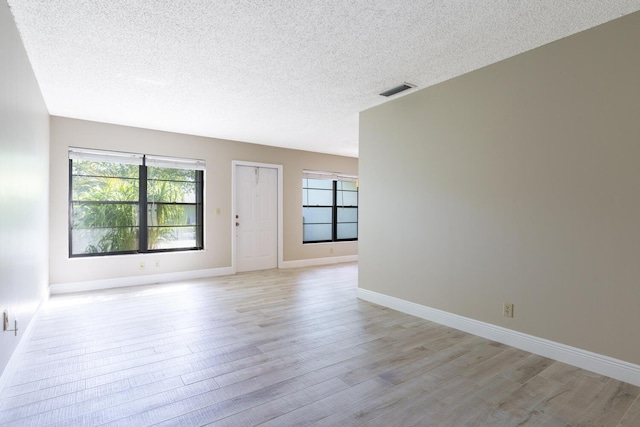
x,y
518,182
219,155
24,188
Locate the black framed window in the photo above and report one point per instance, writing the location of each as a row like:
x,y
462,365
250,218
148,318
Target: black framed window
x,y
329,209
346,208
121,203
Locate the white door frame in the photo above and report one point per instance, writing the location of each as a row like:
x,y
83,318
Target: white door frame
x,y
279,168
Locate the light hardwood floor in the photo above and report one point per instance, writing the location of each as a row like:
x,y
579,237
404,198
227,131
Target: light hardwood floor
x,y
285,348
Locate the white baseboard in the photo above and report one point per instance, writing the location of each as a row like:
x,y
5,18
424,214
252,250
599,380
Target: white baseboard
x,y
93,285
12,365
318,261
604,365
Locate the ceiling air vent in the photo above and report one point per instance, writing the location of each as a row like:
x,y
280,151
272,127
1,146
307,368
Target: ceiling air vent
x,y
397,89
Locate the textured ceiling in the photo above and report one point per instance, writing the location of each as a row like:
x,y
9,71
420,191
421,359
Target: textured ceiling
x,y
288,73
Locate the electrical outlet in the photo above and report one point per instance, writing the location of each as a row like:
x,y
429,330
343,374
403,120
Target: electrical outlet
x,y
330,250
507,310
141,266
157,264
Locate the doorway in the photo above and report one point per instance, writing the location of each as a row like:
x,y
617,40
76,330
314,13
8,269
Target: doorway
x,y
257,216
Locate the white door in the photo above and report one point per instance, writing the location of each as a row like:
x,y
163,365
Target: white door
x,y
256,222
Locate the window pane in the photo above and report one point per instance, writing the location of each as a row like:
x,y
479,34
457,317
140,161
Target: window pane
x,y
317,192
102,240
101,219
171,174
326,184
171,191
88,215
164,214
172,237
347,198
347,231
104,169
172,224
347,215
347,185
103,188
319,197
316,232
317,215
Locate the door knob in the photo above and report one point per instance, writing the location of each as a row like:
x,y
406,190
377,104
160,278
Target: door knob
x,y
237,217
237,224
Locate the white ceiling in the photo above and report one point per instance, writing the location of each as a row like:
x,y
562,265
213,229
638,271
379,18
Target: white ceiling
x,y
287,73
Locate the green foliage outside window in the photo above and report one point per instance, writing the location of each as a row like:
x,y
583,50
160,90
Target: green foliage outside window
x,y
171,210
105,207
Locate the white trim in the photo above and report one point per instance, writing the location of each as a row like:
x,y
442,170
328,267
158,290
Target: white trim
x,y
94,285
279,168
105,156
604,365
12,366
318,261
174,162
306,173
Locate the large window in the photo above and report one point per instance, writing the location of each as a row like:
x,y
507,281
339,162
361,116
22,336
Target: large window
x,y
329,208
123,203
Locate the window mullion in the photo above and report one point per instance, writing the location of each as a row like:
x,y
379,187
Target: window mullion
x,y
143,229
199,209
334,219
70,207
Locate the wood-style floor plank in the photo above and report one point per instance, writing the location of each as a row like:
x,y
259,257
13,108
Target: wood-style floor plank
x,y
285,348
632,416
